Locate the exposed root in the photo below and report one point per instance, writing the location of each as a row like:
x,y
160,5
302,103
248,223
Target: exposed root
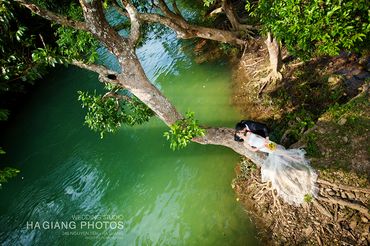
x,y
322,209
343,187
333,200
327,220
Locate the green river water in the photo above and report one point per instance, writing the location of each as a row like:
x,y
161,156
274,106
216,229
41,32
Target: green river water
x,y
147,193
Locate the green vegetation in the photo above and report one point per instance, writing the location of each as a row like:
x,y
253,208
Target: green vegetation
x,y
183,131
7,172
312,148
308,198
306,28
316,27
105,114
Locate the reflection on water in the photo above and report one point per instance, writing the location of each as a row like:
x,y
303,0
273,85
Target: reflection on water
x,y
162,197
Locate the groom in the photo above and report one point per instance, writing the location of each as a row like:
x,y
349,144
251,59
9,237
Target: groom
x,y
245,126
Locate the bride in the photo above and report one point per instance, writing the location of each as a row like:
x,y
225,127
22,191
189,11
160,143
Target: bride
x,y
287,169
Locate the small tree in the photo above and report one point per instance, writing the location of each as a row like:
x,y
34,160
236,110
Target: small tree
x,y
317,27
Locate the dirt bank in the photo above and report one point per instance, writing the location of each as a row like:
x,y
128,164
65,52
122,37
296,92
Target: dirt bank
x,y
321,105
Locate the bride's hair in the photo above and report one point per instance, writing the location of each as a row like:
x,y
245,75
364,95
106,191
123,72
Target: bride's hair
x,y
237,138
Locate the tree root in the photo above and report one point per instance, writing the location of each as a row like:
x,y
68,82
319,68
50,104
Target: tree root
x,y
322,209
343,187
333,200
253,64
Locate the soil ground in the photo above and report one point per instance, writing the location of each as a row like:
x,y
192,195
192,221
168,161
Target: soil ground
x,y
320,105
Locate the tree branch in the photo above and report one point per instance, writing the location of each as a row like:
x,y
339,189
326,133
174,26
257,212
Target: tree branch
x,y
50,15
164,8
135,23
119,9
117,96
225,137
105,74
177,10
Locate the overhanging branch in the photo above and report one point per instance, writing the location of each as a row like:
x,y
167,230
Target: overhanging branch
x,y
225,137
50,15
105,74
135,23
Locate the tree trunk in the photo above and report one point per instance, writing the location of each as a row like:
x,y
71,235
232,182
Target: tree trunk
x,y
275,56
230,14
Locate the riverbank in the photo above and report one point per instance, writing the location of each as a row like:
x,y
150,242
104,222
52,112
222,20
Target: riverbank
x,y
322,106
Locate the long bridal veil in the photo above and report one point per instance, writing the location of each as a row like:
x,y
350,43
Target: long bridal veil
x,y
290,174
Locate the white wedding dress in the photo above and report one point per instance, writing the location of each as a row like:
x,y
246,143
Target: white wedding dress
x,y
288,170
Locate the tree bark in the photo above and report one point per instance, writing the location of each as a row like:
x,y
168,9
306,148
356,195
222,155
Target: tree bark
x,y
230,14
183,29
233,18
274,56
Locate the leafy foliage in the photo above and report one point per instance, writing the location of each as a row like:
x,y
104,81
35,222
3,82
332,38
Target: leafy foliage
x,y
208,2
316,27
7,172
4,113
308,198
75,44
183,131
17,41
108,113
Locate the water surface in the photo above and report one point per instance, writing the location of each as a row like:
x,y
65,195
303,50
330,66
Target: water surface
x,y
161,197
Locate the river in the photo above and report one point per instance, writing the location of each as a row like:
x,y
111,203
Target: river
x,y
130,187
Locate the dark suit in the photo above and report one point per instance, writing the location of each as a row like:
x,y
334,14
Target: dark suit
x,y
256,127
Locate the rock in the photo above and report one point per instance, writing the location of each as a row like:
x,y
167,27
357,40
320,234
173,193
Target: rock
x,y
342,121
364,219
353,225
308,231
334,80
345,139
331,193
343,195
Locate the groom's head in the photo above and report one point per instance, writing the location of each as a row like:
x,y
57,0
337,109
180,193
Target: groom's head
x,y
240,127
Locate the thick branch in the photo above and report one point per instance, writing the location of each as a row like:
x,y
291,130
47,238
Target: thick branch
x,y
119,9
182,28
185,30
49,15
225,137
228,9
164,8
105,74
177,10
135,23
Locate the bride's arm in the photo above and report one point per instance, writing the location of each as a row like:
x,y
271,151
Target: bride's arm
x,y
251,148
248,146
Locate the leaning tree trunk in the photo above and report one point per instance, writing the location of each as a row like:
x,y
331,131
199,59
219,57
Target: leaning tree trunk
x,y
274,56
